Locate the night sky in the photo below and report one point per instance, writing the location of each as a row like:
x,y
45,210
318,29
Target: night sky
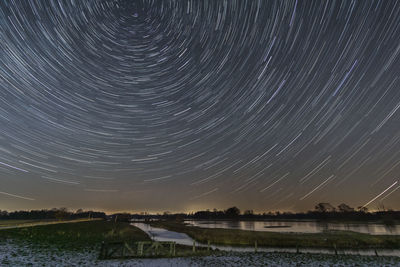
x,y
185,105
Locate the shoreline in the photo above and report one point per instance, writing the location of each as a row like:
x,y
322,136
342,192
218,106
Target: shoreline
x,y
396,222
267,239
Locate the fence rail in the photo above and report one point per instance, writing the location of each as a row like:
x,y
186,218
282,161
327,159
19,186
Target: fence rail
x,y
116,250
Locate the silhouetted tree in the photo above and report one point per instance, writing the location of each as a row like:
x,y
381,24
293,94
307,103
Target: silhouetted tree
x,y
61,214
345,208
324,207
3,214
362,209
381,207
232,212
248,213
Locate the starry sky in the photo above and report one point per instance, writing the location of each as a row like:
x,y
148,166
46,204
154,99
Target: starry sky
x,y
183,105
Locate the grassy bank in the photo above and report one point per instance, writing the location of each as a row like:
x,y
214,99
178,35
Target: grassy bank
x,y
74,236
233,237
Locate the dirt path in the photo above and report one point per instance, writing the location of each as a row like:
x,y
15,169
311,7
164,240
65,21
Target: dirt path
x,y
31,224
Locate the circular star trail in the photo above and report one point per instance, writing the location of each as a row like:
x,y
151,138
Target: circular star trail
x,y
198,104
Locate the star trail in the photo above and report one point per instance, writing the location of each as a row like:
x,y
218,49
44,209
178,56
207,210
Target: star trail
x,y
186,104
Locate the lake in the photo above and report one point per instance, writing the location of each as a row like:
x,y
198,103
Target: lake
x,y
299,226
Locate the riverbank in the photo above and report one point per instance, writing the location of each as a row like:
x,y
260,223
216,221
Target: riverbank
x,y
298,226
328,239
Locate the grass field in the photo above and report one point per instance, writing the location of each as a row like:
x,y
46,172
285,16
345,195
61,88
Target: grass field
x,y
77,235
233,237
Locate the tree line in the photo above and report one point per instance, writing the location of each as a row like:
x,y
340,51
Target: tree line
x,y
55,213
322,211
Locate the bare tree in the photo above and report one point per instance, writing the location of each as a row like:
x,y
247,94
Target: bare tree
x,y
362,209
345,208
324,207
248,213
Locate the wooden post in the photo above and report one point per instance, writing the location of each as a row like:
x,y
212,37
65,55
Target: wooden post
x,y
103,251
255,246
376,253
140,249
297,248
171,248
174,252
208,245
334,246
194,246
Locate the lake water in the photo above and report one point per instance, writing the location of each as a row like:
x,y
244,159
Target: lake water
x,y
159,234
299,226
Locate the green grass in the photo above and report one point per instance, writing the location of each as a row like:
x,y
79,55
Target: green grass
x,y
233,237
75,236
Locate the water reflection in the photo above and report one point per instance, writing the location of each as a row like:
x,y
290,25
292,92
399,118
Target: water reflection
x,y
299,226
159,234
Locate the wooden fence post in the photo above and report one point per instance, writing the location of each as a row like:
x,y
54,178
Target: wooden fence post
x,y
255,246
194,246
103,251
114,250
334,246
140,248
208,245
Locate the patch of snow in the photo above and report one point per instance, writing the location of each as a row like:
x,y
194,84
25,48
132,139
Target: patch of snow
x,y
19,254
